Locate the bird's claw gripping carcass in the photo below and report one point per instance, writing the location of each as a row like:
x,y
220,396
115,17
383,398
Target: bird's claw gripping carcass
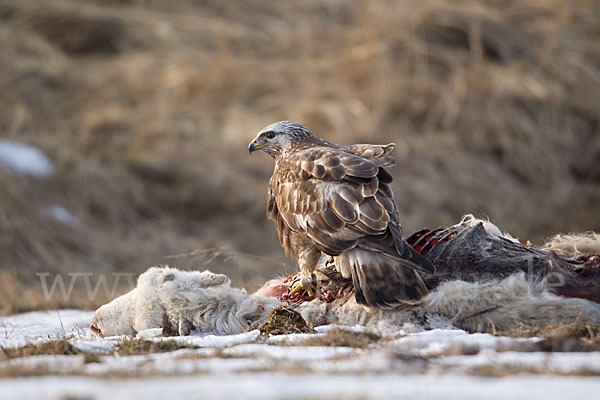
x,y
330,286
296,293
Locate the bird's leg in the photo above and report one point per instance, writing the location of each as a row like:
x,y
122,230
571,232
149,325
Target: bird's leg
x,y
308,258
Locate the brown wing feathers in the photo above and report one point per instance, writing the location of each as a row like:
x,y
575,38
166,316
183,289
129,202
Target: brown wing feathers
x,y
340,198
361,199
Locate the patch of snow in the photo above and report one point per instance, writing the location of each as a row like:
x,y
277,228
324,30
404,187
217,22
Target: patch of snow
x,y
114,338
42,326
259,386
24,159
355,328
438,341
371,361
292,353
62,215
294,338
215,340
559,363
244,366
94,346
57,363
179,362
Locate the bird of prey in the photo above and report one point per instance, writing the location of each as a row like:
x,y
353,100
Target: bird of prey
x,y
337,200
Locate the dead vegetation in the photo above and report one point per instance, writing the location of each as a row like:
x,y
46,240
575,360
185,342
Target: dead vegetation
x,y
146,107
339,337
577,336
54,347
63,347
127,347
282,321
135,347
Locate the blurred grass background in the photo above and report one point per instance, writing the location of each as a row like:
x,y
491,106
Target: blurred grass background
x,y
146,107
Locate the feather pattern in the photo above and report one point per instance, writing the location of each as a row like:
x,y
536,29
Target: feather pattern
x,y
338,200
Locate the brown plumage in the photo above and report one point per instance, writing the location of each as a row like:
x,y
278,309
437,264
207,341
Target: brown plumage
x,y
337,200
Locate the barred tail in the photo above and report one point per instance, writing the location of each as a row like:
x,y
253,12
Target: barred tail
x,y
381,281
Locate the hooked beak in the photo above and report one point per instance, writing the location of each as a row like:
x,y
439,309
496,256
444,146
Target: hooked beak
x,y
254,145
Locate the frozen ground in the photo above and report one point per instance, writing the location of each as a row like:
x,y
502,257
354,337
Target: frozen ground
x,y
439,363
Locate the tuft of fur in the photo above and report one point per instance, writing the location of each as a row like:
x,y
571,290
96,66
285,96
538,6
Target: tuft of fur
x,y
181,301
471,220
571,245
506,304
352,313
218,308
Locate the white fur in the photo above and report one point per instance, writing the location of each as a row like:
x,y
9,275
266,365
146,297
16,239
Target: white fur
x,y
116,317
575,244
132,312
220,309
185,300
351,313
484,307
206,302
470,220
506,304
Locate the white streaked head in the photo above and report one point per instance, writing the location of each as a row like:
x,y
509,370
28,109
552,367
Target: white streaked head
x,y
276,137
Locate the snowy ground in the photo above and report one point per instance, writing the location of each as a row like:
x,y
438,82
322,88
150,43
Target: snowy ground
x,y
429,364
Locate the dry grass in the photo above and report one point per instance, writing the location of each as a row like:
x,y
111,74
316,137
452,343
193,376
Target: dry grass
x,y
338,337
146,107
562,337
127,347
62,347
55,347
136,347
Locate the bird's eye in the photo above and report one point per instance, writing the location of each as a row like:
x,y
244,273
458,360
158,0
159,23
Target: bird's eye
x,y
270,135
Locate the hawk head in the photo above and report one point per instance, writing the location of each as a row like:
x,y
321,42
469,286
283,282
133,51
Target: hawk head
x,y
278,136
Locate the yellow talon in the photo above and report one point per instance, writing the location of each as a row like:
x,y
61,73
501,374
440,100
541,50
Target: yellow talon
x,y
310,292
297,288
